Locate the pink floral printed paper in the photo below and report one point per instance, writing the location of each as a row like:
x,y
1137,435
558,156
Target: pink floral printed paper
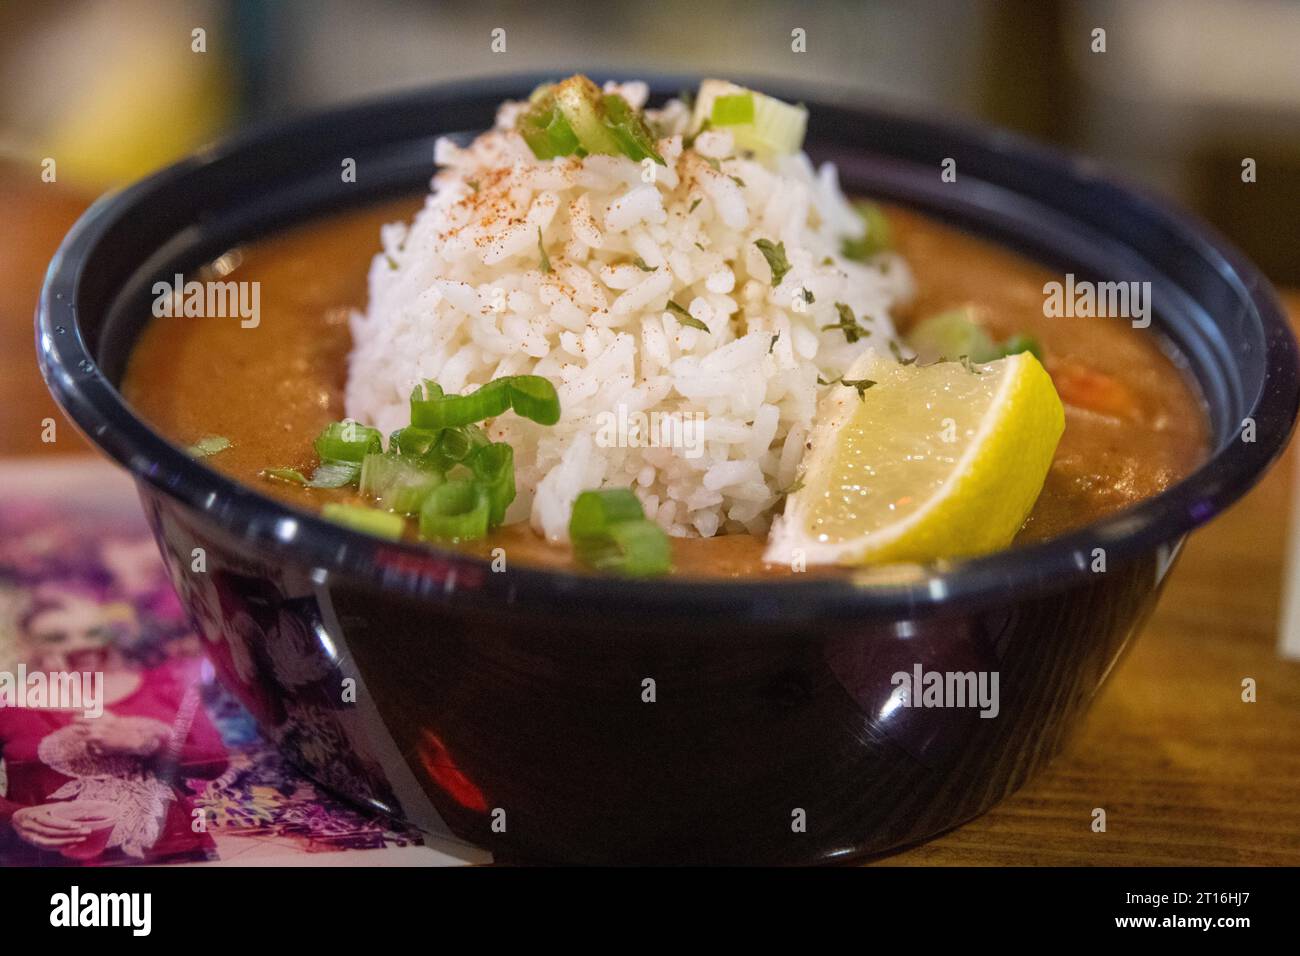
x,y
171,769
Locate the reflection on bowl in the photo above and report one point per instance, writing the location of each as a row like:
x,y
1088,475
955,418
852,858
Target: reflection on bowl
x,y
551,716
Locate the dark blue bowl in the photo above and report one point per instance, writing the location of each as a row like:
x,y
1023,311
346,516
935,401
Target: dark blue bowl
x,y
508,707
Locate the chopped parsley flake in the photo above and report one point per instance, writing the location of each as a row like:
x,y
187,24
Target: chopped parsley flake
x,y
848,324
774,253
685,318
546,262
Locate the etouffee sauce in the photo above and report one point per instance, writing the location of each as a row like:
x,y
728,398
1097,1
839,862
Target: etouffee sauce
x,y
271,389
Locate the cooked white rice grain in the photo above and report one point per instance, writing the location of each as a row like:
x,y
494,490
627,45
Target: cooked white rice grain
x,y
461,296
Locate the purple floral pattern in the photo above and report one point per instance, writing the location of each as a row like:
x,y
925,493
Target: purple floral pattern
x,y
97,571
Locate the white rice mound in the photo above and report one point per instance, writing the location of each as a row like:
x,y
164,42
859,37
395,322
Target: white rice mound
x,y
459,296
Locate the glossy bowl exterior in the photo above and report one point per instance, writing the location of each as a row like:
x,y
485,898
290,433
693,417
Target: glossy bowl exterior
x,y
559,717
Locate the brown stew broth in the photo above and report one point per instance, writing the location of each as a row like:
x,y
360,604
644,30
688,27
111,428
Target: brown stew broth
x,y
1134,424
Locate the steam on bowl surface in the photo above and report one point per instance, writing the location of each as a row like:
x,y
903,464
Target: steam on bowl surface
x,y
768,702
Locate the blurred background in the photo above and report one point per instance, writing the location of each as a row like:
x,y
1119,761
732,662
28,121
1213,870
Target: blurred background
x,y
1175,94
1185,90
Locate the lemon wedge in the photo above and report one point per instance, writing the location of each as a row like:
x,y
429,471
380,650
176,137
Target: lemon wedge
x,y
916,463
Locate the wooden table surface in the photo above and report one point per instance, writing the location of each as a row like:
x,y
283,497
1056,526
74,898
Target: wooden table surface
x,y
1187,772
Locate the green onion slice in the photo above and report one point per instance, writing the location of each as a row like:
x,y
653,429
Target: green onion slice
x,y
451,411
370,520
428,389
531,396
535,398
209,445
575,117
397,482
610,532
628,128
413,442
877,237
763,125
642,549
952,334
580,101
544,127
595,511
637,548
1021,343
494,467
335,474
292,475
459,510
347,441
733,109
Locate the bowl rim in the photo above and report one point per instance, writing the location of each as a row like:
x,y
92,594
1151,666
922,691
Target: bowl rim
x,y
1153,525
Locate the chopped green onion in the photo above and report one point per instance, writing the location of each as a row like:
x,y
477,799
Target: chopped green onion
x,y
413,442
1021,343
574,116
610,532
397,482
347,441
773,127
628,128
335,474
579,100
637,548
733,109
438,448
544,127
876,237
209,445
534,397
426,390
774,253
292,475
595,511
449,411
641,264
494,467
455,444
531,396
848,324
950,335
370,520
459,510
